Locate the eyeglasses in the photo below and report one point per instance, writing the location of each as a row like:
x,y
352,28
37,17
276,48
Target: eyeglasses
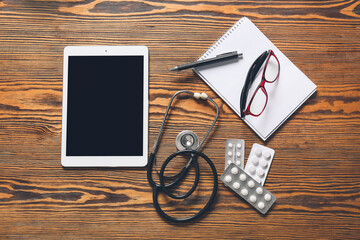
x,y
259,98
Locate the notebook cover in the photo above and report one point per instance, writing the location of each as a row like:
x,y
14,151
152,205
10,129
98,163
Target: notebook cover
x,y
285,95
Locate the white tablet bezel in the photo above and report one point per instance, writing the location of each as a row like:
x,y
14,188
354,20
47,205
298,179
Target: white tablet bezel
x,y
105,161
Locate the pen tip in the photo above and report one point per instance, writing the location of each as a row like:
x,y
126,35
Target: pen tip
x,y
174,69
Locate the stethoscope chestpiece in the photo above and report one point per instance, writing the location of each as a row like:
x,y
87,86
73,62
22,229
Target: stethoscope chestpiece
x,y
187,140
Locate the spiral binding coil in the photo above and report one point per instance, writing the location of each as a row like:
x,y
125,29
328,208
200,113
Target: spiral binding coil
x,y
222,38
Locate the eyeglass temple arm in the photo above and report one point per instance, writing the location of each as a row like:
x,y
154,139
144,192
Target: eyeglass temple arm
x,y
254,69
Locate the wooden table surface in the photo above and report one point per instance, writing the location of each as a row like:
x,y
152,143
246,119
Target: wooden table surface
x,y
316,170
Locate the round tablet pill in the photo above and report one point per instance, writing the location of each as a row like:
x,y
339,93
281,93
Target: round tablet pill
x,y
228,178
238,154
267,155
258,152
238,163
229,162
255,161
263,164
261,205
229,154
242,177
259,190
236,185
238,145
252,170
260,172
244,192
252,198
230,145
267,197
251,184
234,170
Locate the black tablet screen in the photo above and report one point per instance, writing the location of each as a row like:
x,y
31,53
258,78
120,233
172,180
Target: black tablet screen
x,y
105,106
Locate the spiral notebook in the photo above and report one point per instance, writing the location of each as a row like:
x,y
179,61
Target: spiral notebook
x,y
285,95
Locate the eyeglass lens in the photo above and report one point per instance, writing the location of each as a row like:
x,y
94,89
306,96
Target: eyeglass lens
x,y
272,69
259,100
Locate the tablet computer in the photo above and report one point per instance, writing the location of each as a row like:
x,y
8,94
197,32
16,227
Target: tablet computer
x,y
105,106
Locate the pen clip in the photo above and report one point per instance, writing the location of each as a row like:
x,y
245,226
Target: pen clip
x,y
228,53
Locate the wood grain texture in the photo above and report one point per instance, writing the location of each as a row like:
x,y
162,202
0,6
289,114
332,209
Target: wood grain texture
x,y
316,171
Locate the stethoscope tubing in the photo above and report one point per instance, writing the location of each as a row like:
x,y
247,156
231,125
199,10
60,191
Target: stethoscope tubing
x,y
211,200
196,181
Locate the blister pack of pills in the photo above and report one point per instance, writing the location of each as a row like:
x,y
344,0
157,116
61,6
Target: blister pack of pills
x,y
259,162
234,152
250,190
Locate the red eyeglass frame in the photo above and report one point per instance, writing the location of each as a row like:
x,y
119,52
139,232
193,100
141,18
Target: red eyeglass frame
x,y
262,85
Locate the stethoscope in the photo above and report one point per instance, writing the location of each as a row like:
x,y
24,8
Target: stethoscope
x,y
187,142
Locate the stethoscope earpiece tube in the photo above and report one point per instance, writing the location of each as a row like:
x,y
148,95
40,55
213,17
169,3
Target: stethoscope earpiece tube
x,y
178,177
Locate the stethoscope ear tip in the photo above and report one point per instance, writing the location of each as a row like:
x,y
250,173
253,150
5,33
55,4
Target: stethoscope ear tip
x,y
203,96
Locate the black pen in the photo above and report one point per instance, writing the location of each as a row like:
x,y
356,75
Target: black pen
x,y
219,58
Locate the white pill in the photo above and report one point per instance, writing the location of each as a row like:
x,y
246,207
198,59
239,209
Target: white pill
x,y
229,162
267,197
261,205
267,155
258,152
252,198
230,145
234,170
238,145
229,154
263,164
244,192
228,178
251,184
260,172
255,161
236,185
242,177
238,154
259,190
238,163
252,170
